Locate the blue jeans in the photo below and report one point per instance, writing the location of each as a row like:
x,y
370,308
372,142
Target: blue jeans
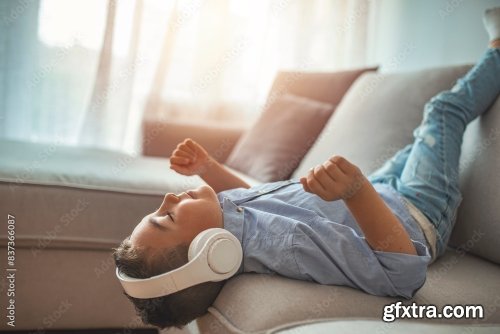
x,y
426,172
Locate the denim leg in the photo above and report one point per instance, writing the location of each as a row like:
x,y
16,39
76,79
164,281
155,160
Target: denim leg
x,y
430,177
390,171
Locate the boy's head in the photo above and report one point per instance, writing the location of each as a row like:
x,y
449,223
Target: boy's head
x,y
160,243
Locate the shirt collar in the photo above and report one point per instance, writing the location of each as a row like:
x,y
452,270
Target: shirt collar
x,y
240,196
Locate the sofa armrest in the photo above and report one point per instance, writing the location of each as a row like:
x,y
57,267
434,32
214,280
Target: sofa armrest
x,y
160,137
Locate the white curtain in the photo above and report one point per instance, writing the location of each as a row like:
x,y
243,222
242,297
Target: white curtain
x,y
99,67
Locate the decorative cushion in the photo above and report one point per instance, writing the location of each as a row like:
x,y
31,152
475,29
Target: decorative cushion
x,y
326,87
274,146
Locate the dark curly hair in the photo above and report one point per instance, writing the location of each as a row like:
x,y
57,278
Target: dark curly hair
x,y
174,310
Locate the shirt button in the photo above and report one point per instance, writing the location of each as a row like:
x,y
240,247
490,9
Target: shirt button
x,y
239,209
261,191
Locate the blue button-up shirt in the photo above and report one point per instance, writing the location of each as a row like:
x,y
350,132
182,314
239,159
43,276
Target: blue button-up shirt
x,y
288,231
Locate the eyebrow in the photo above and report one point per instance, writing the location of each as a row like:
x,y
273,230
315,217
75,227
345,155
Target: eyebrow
x,y
157,225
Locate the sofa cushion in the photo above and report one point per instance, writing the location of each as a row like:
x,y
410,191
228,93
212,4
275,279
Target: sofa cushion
x,y
255,302
376,118
282,135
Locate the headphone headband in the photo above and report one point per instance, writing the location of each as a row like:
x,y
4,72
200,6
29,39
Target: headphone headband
x,y
214,255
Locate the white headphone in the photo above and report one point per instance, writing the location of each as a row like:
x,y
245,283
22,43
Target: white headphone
x,y
214,255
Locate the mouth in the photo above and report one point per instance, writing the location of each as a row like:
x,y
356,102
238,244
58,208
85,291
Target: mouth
x,y
191,194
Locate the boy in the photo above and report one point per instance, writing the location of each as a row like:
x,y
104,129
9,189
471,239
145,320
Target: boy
x,y
334,225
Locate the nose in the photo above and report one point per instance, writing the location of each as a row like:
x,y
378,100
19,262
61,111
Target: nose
x,y
171,198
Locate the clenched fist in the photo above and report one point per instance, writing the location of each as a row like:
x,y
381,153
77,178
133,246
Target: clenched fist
x,y
335,179
190,158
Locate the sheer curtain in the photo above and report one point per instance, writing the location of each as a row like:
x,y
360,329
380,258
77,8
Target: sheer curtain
x,y
85,72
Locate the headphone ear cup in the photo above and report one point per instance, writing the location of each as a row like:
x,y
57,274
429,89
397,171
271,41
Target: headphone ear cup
x,y
225,255
198,242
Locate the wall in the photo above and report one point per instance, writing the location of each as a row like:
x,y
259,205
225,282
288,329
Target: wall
x,y
411,34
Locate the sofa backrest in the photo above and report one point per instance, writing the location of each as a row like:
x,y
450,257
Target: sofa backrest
x,y
478,221
376,118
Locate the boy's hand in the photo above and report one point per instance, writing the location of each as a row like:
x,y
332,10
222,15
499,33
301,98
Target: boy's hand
x,y
190,158
335,179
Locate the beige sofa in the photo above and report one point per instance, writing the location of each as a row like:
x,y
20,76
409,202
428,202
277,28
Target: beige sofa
x,y
73,205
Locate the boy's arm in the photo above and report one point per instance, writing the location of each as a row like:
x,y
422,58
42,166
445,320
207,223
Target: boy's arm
x,y
220,178
337,179
382,229
190,158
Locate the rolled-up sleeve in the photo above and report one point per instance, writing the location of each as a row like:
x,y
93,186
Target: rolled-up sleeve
x,y
331,253
406,272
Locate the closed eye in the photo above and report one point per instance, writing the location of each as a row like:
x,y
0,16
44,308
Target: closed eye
x,y
157,225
